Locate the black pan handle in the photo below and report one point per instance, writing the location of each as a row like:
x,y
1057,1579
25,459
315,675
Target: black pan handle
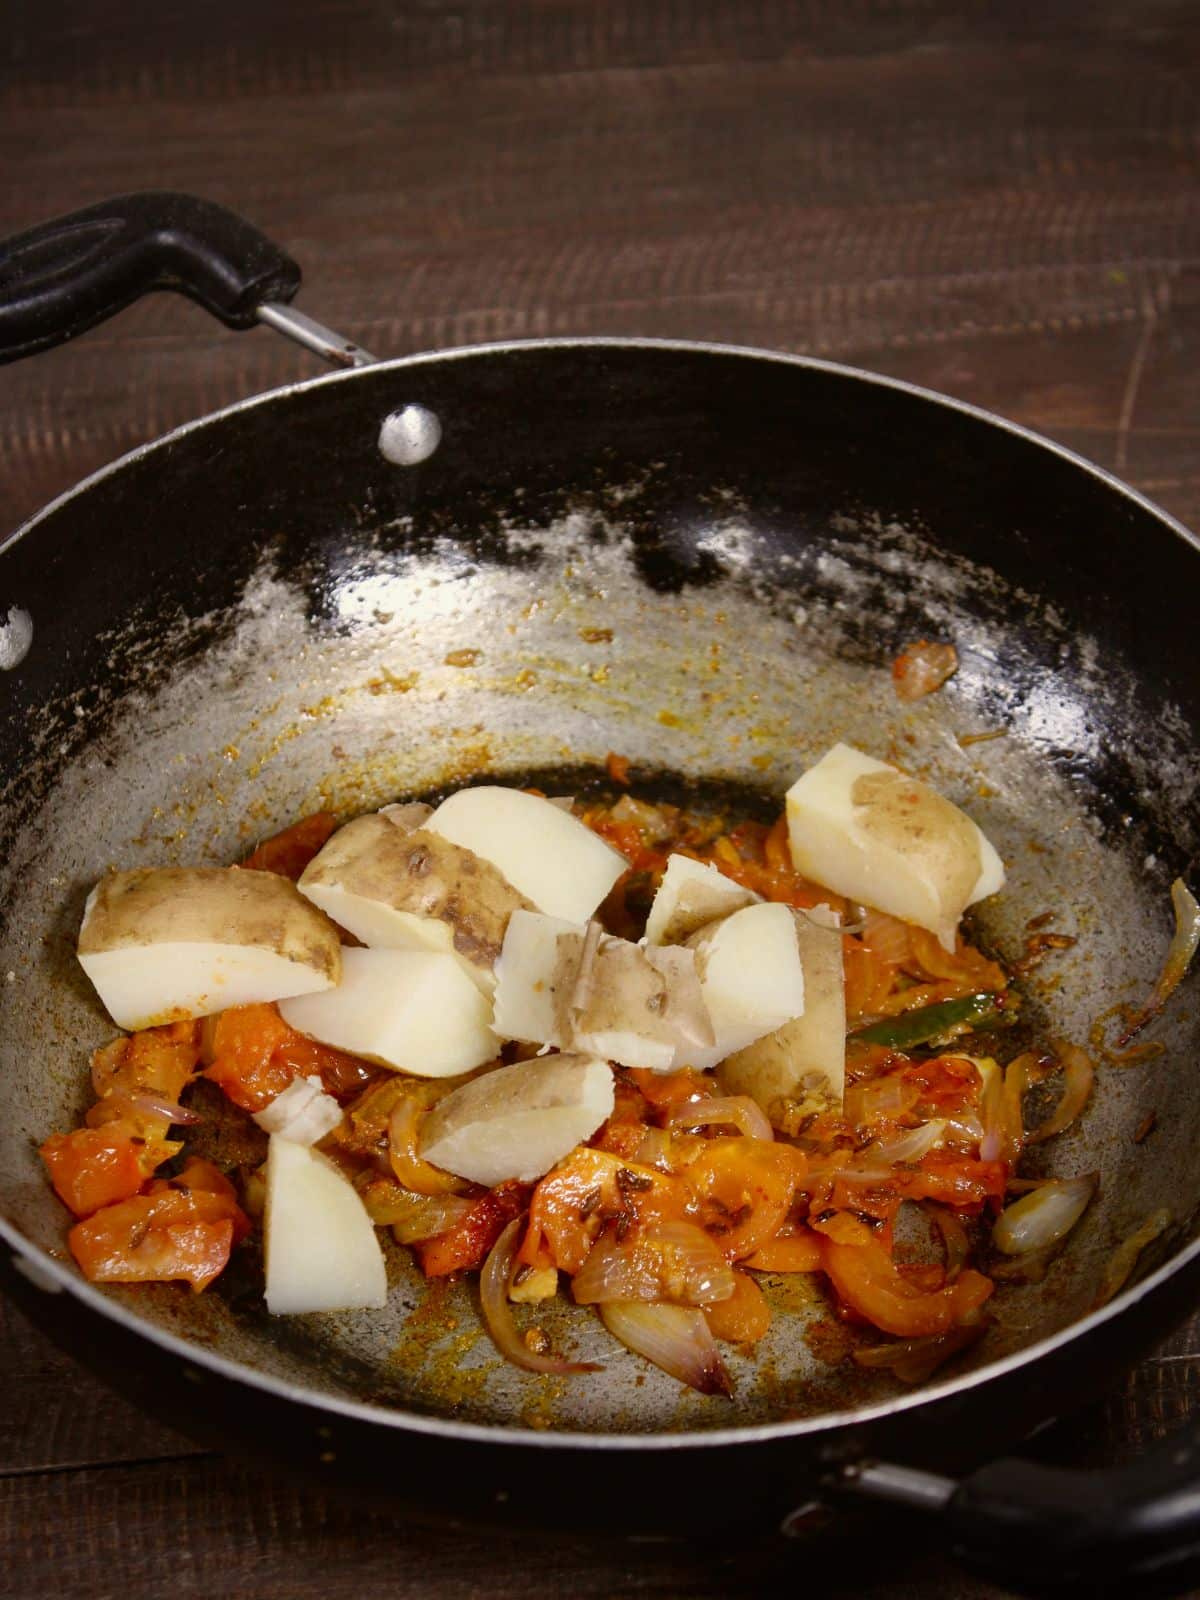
x,y
1047,1531
61,278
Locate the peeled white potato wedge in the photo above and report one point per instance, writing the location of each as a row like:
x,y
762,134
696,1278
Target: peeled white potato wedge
x,y
750,977
869,832
396,886
518,1121
302,1113
801,1067
162,944
548,855
321,1250
690,896
408,1009
535,976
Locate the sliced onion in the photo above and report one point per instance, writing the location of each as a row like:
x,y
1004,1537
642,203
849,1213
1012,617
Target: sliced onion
x,y
675,1338
1182,948
915,1360
1079,1074
1124,1258
955,1243
734,1110
497,1312
114,1107
1044,1216
964,1132
425,1216
877,1099
654,1149
887,938
1000,1110
910,1145
403,1127
677,1262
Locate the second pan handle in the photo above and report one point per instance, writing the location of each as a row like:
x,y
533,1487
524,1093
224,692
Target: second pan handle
x,y
63,277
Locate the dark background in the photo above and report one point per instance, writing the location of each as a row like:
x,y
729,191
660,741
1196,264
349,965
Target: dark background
x,y
999,200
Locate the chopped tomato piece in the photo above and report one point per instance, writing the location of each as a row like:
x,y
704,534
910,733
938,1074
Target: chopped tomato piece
x,y
744,1317
665,1090
743,1189
177,1229
95,1167
465,1246
617,768
157,1061
868,1280
958,1181
289,852
201,1177
791,1250
591,1187
256,1055
841,1227
947,1084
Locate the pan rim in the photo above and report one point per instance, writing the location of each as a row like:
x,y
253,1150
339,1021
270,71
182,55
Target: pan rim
x,y
52,1276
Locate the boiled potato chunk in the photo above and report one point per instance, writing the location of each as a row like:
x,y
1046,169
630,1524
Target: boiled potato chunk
x,y
801,1067
161,944
414,1010
869,832
577,988
535,977
639,1007
548,855
398,887
750,977
518,1121
321,1250
690,896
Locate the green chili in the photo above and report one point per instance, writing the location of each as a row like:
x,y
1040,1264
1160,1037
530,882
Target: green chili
x,y
937,1023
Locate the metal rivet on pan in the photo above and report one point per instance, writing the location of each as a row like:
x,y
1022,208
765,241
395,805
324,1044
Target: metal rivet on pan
x,y
409,435
16,636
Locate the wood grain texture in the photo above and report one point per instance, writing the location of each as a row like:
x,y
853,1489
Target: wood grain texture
x,y
999,201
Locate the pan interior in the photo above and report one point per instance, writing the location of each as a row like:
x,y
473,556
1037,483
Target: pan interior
x,y
402,658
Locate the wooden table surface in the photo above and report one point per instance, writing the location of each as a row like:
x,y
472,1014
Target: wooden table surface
x,y
997,200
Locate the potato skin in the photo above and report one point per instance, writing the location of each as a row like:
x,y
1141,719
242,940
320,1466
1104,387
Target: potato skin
x,y
420,872
209,905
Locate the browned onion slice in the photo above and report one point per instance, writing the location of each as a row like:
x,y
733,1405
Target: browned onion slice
x,y
675,1338
732,1110
497,1312
676,1261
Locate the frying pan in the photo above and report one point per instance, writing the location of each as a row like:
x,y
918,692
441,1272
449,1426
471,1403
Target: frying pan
x,y
510,560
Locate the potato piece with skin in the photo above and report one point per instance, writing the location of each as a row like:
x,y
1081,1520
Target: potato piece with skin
x,y
412,1010
518,1121
639,1007
322,1252
396,886
163,944
576,988
801,1067
870,832
548,855
750,977
690,897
